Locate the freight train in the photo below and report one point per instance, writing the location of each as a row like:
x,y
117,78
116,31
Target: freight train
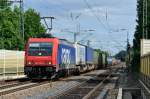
x,y
112,61
48,57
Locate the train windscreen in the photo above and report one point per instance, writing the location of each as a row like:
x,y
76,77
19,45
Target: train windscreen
x,y
40,49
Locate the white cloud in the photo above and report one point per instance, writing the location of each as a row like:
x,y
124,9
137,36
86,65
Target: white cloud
x,y
91,12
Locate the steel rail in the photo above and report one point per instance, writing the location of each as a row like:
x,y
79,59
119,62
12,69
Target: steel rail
x,y
80,87
96,88
20,87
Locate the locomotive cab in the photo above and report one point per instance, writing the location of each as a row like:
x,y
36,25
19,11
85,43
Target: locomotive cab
x,y
40,60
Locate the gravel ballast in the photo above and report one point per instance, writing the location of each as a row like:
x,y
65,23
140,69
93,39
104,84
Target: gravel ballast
x,y
52,88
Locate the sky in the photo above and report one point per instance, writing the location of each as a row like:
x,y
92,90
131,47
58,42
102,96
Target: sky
x,y
110,20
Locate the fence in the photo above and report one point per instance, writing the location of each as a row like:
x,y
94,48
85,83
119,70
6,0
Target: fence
x,y
145,69
11,62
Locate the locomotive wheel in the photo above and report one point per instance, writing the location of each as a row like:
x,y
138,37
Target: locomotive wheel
x,y
55,76
76,72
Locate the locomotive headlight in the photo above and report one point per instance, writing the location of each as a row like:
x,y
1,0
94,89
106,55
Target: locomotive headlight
x,y
49,63
29,63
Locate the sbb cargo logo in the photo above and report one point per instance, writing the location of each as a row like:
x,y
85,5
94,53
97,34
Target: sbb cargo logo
x,y
65,57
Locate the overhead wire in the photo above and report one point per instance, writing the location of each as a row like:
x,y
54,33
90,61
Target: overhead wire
x,y
99,20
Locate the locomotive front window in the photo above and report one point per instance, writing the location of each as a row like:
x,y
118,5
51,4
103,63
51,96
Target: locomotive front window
x,y
40,49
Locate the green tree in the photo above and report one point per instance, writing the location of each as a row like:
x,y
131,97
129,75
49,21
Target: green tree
x,y
121,55
33,26
10,35
4,4
137,36
139,33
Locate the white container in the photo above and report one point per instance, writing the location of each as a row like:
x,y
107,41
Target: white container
x,y
145,46
80,54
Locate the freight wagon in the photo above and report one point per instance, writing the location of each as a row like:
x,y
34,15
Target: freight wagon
x,y
100,59
110,61
89,58
84,57
80,57
96,59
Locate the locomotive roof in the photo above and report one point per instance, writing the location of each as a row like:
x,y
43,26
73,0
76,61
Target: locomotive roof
x,y
66,42
62,41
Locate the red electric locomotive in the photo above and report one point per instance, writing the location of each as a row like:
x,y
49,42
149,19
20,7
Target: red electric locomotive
x,y
45,57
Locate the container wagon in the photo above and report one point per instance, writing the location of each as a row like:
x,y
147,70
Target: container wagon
x,y
110,61
81,57
89,58
96,59
100,59
104,62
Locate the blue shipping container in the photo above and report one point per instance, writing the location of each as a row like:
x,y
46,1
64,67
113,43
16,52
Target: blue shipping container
x,y
89,55
66,56
110,60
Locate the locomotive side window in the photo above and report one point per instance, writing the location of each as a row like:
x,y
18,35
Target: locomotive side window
x,y
40,49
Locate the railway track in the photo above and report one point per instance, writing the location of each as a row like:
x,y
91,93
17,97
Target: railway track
x,y
11,88
85,89
89,89
11,83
